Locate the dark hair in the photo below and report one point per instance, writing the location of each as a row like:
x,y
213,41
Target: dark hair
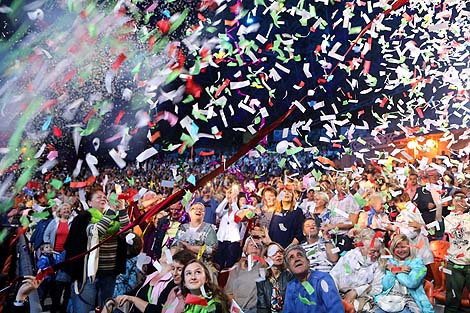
x,y
134,249
183,256
90,194
271,189
209,286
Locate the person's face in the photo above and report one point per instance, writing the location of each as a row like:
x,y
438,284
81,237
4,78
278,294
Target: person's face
x,y
99,201
206,193
311,195
310,229
319,202
378,205
194,277
253,248
276,255
270,198
65,211
197,212
176,270
298,264
374,253
175,212
414,180
402,250
241,202
254,201
460,202
47,248
288,196
433,177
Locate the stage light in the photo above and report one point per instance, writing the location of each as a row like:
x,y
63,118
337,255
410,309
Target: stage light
x,y
411,144
430,143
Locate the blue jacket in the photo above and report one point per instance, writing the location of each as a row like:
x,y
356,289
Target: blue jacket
x,y
413,281
324,298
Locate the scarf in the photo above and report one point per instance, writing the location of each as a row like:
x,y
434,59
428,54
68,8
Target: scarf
x,y
113,227
372,212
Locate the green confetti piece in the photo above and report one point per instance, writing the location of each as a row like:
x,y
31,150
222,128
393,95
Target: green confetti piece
x,y
136,69
40,215
3,235
250,214
6,205
347,268
187,198
179,21
306,301
295,150
24,221
92,30
361,141
50,195
113,198
198,115
261,149
188,99
174,75
92,126
282,163
131,181
360,200
308,287
57,184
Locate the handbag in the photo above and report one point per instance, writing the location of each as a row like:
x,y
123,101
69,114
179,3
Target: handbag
x,y
391,303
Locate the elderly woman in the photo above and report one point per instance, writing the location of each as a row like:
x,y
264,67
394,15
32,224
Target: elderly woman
x,y
197,236
284,228
358,274
56,233
272,290
241,284
402,285
321,213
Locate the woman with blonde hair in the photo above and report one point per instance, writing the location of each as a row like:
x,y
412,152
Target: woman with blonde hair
x,y
285,224
402,285
358,274
272,290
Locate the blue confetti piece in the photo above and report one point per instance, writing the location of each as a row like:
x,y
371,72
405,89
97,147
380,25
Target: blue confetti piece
x,y
192,180
46,124
311,103
166,13
67,180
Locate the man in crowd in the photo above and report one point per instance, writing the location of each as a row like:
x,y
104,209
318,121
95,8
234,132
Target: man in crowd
x,y
209,202
309,291
457,225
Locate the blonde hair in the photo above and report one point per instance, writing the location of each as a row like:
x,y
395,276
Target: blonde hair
x,y
399,239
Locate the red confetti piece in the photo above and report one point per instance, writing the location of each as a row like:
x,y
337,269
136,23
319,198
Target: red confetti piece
x,y
383,102
119,117
222,87
420,112
89,115
164,26
193,88
121,58
57,132
206,153
46,272
69,76
297,141
192,299
128,195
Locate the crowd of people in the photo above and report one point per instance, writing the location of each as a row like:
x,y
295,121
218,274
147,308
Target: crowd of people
x,y
252,240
